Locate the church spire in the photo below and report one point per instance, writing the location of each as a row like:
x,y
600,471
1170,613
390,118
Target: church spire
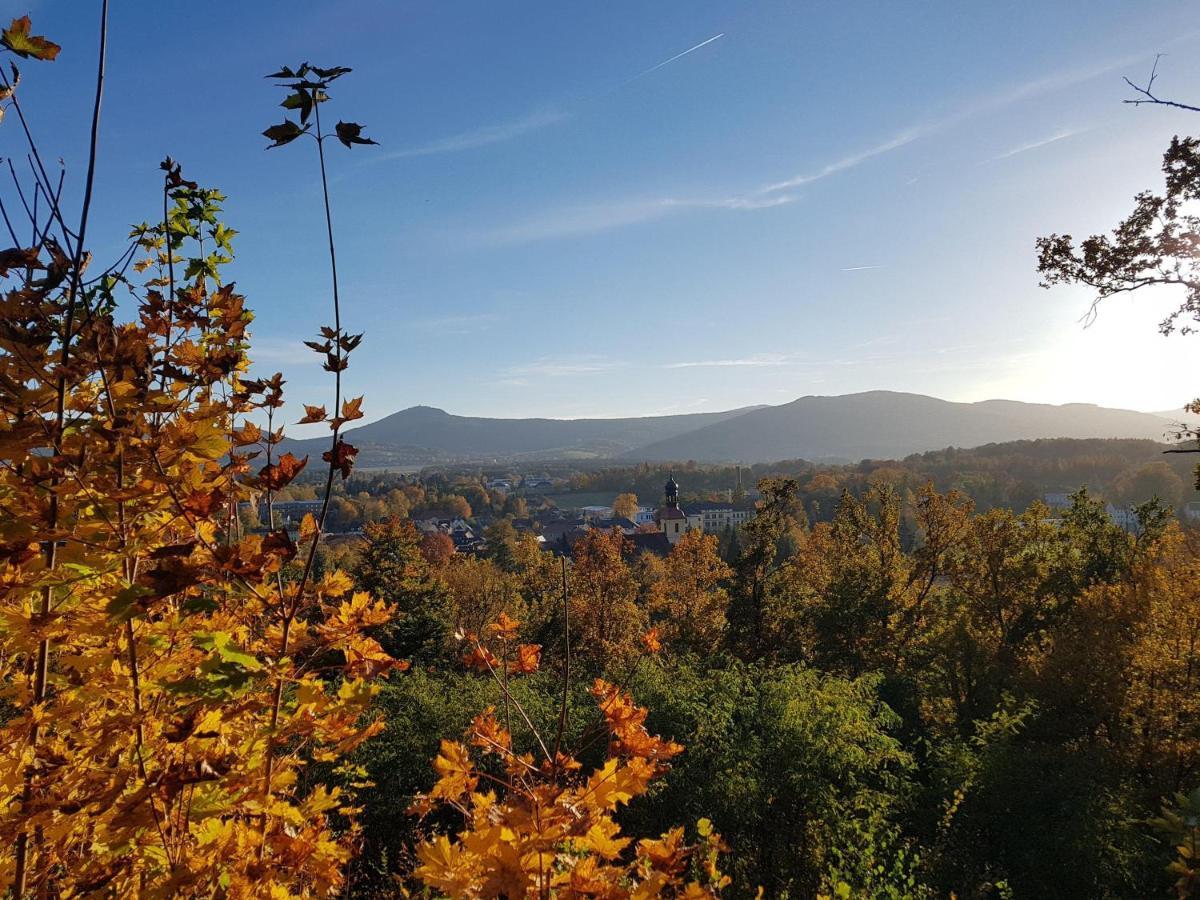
x,y
671,492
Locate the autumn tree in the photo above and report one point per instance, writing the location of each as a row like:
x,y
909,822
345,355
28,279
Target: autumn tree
x,y
625,506
687,599
605,616
166,687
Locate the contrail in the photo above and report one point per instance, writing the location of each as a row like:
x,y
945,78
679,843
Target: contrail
x,y
666,62
860,268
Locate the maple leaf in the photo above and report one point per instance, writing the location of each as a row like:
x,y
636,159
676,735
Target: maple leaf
x,y
278,475
528,658
352,409
341,458
651,641
505,627
283,133
480,658
18,258
455,770
487,733
350,133
312,414
666,854
602,839
308,526
279,543
248,434
16,37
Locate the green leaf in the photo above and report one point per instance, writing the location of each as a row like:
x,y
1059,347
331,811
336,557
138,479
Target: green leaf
x,y
301,100
284,133
124,606
30,46
221,642
350,133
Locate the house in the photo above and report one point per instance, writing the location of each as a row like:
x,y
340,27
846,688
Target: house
x,y
625,525
1057,500
1124,517
1191,510
709,516
288,512
596,512
718,515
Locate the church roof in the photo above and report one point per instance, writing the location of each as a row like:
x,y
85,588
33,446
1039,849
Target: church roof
x,y
671,512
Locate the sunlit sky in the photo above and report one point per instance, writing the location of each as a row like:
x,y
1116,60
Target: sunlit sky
x,y
570,214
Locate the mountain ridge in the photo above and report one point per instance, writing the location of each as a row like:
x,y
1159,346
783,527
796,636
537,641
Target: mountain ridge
x,y
869,424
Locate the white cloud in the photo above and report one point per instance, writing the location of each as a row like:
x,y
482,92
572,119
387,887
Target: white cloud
x,y
1034,145
760,360
551,367
481,137
279,351
582,220
847,162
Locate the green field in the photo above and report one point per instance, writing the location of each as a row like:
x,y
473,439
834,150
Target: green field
x,y
573,500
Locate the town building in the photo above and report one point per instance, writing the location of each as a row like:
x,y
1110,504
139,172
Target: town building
x,y
708,516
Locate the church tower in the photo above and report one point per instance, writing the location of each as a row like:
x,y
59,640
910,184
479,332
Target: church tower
x,y
672,521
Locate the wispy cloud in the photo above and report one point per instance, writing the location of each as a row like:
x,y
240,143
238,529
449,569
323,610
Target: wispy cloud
x,y
483,136
847,162
1034,145
590,219
574,221
560,367
759,360
281,351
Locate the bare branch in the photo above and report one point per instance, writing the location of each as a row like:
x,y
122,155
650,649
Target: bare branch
x,y
1147,92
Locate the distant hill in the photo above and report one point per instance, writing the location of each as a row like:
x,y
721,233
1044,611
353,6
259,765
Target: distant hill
x,y
876,424
423,435
887,424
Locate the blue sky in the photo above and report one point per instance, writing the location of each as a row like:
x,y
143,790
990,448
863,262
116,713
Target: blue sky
x,y
562,220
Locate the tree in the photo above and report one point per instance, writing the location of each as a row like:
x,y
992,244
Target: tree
x,y
687,600
625,506
500,542
534,824
605,617
148,744
758,561
437,547
1155,246
392,566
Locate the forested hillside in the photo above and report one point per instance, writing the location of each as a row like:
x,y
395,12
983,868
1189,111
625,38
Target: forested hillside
x,y
876,424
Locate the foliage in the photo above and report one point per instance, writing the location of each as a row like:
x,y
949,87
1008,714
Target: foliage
x,y
1180,825
536,824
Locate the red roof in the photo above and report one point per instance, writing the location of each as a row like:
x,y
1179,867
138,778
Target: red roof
x,y
671,512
